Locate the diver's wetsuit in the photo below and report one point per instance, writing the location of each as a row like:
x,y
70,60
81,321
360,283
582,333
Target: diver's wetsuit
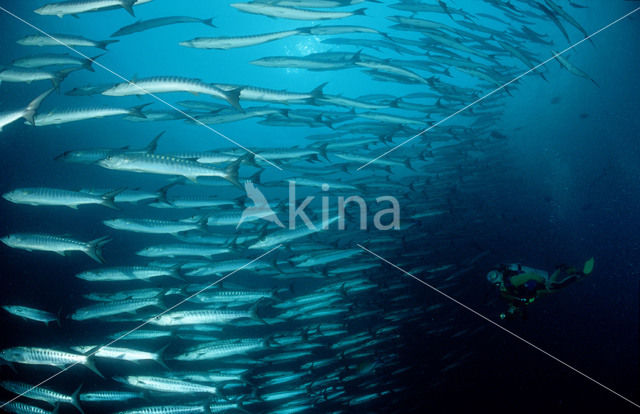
x,y
522,285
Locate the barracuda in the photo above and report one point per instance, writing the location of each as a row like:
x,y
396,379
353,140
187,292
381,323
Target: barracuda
x,y
153,226
56,244
292,13
42,394
43,196
221,349
167,165
204,316
106,396
172,84
46,356
123,354
74,7
175,250
166,385
143,25
286,235
54,59
114,274
81,114
100,310
63,40
238,41
28,75
27,113
31,314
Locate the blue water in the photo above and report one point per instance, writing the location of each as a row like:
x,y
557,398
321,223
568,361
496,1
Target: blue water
x,y
559,185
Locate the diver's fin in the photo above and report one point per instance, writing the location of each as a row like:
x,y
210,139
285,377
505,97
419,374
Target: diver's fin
x,y
588,266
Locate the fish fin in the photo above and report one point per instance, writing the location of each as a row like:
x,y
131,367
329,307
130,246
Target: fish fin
x,y
73,206
60,76
94,248
322,149
253,314
137,110
407,163
92,366
74,399
107,198
160,358
103,44
30,110
208,22
128,6
317,93
175,272
231,172
87,64
153,145
360,12
233,97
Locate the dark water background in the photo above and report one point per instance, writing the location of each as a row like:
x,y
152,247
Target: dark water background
x,y
567,187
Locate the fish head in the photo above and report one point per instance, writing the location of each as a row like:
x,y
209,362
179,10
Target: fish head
x,y
42,10
11,240
83,156
117,90
14,195
114,161
87,275
16,310
152,251
114,223
11,354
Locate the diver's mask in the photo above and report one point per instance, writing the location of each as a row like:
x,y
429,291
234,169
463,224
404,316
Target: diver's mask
x,y
494,277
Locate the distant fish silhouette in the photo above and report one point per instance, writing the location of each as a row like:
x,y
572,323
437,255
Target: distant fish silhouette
x,y
260,208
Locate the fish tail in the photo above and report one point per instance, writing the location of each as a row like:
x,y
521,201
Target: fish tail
x,y
360,11
94,248
30,110
60,76
208,22
137,111
233,97
92,366
322,149
253,314
104,43
108,198
128,6
160,357
317,93
87,64
231,172
74,399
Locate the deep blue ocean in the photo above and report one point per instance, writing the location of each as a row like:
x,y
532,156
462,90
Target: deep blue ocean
x,y
543,172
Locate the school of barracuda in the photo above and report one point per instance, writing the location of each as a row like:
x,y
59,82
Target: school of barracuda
x,y
280,349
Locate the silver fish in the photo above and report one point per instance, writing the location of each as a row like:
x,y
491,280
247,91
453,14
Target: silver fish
x,y
56,244
143,25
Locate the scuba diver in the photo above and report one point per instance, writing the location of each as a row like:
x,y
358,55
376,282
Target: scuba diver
x,y
522,285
